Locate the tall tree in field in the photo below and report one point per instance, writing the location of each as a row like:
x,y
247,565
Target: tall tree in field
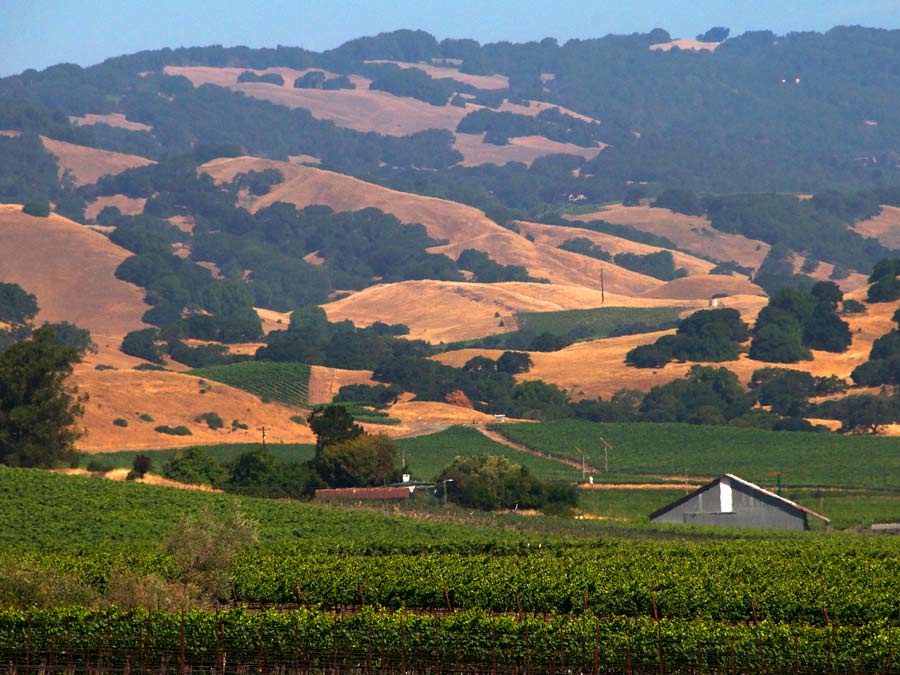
x,y
37,411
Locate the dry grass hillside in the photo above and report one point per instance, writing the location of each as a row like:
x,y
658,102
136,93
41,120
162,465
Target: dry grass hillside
x,y
554,235
446,311
70,269
437,72
112,119
705,286
691,233
523,149
463,226
174,399
87,164
129,206
885,227
597,368
685,44
371,110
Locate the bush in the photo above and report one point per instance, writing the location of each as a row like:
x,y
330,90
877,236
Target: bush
x,y
144,417
40,208
237,424
98,466
180,430
119,422
853,307
194,466
489,482
213,420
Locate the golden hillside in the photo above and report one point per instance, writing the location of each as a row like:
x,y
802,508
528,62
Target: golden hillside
x,y
463,226
87,165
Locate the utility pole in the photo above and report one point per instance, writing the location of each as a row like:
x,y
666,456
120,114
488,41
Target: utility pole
x,y
602,288
583,463
263,430
606,448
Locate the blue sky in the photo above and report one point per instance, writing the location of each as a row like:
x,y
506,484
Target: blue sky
x,y
39,33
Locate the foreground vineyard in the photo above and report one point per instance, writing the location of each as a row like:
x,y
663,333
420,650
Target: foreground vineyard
x,y
446,591
372,641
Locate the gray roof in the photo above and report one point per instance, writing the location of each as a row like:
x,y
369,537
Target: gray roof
x,y
787,504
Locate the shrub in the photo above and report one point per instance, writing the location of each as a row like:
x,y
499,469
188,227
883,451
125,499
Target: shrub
x,y
195,466
99,466
236,424
144,417
119,422
180,430
40,208
212,419
853,307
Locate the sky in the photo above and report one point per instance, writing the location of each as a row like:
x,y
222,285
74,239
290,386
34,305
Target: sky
x,y
40,33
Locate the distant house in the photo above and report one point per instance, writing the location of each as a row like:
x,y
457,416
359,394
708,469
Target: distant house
x,y
730,501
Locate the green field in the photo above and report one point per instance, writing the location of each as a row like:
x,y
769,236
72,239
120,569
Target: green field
x,y
272,381
600,322
427,455
807,459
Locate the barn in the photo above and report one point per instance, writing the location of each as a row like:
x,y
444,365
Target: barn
x,y
730,501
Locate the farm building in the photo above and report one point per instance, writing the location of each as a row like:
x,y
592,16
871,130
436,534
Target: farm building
x,y
733,502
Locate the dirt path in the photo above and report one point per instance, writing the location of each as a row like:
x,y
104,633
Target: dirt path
x,y
500,438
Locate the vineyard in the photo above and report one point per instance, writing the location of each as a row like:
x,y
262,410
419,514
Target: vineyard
x,y
591,324
330,589
372,641
677,449
283,381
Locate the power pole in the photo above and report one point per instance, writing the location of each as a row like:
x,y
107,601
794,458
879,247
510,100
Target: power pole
x,y
602,288
583,463
606,448
263,430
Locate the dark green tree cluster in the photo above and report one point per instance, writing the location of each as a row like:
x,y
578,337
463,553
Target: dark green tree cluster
x,y
660,265
488,271
499,127
38,410
706,396
707,335
488,482
883,366
413,83
316,79
258,183
787,392
312,339
796,321
377,396
883,283
265,78
862,413
585,246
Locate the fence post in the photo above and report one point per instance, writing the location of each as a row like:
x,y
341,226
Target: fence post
x,y
181,658
628,648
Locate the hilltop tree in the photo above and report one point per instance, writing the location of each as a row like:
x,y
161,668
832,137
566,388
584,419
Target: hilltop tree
x,y
332,424
364,461
37,411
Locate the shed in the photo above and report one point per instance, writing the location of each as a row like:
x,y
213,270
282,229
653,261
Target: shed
x,y
730,501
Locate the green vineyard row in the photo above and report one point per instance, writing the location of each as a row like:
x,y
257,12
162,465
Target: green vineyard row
x,y
283,382
139,641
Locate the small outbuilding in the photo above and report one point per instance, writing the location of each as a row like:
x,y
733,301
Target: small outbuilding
x,y
730,501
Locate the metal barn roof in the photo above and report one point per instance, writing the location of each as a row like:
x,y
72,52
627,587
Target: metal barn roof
x,y
787,504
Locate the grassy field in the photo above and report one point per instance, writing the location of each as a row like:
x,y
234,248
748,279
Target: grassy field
x,y
625,505
283,382
807,459
427,455
591,324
